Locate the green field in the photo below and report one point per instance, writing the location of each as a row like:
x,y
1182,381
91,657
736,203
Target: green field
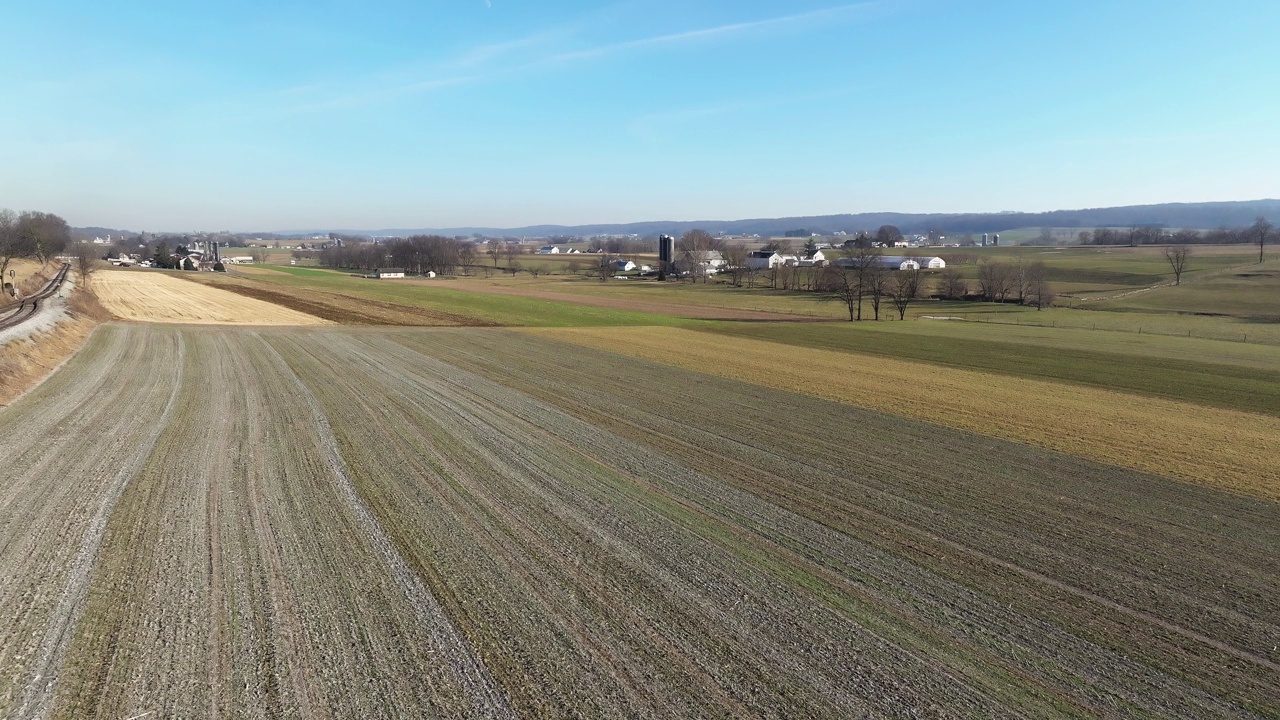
x,y
1206,372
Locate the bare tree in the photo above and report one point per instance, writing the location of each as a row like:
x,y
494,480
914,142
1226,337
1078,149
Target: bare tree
x,y
841,282
467,256
994,279
514,267
1084,237
494,250
13,244
904,288
510,251
1177,256
877,284
952,285
604,269
857,266
86,261
699,240
1040,292
1020,278
1260,231
45,234
735,258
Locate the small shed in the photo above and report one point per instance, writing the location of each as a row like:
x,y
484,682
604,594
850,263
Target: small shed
x,y
385,273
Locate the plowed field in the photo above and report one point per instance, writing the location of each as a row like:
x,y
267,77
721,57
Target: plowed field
x,y
1210,446
153,296
322,522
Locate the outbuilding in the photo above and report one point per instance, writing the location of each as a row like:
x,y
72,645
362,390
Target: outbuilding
x,y
387,273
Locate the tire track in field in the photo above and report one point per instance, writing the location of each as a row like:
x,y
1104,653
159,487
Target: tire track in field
x,y
482,691
66,614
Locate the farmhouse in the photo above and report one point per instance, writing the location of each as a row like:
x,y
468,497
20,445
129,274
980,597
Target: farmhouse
x,y
817,259
623,266
548,250
763,260
704,261
384,273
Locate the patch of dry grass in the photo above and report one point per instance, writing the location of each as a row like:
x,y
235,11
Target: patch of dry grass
x,y
1217,448
152,296
24,363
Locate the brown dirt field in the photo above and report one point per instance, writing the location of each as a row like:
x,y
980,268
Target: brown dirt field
x,y
1207,446
696,312
370,522
154,296
336,307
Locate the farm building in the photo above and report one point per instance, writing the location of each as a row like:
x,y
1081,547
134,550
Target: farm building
x,y
548,250
817,259
763,260
707,261
384,273
623,266
895,262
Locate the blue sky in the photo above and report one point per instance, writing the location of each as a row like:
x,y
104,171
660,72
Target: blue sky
x,y
277,115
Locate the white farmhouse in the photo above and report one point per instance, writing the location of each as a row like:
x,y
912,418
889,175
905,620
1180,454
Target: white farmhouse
x,y
763,260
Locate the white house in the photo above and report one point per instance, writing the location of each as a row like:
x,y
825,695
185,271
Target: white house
x,y
385,273
763,260
817,259
623,266
710,260
548,250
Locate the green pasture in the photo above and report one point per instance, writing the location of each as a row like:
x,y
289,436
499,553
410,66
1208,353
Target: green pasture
x,y
498,309
1248,292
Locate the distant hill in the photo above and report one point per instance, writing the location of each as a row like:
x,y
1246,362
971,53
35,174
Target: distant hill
x,y
1172,215
88,233
1201,216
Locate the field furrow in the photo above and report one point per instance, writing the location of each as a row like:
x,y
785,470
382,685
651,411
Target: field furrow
x,y
329,522
62,484
1197,560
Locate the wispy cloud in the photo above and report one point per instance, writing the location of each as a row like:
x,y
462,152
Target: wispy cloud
x,y
656,127
486,63
732,29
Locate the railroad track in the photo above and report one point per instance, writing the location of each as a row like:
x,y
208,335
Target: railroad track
x,y
30,305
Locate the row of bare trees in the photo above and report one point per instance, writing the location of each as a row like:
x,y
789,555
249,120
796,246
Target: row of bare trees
x,y
997,281
418,254
1259,233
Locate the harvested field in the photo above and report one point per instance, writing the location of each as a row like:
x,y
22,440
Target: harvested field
x,y
323,522
154,296
335,307
1209,446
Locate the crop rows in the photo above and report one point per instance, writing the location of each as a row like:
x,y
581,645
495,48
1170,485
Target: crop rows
x,y
1209,446
483,523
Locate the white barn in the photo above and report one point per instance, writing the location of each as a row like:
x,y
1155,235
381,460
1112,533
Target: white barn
x,y
385,273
